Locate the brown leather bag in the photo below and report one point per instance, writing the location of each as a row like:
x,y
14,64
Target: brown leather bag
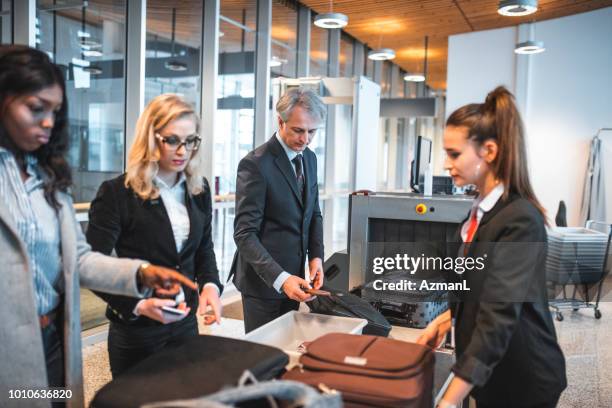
x,y
369,371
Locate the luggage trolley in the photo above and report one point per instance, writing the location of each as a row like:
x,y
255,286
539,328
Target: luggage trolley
x,y
578,257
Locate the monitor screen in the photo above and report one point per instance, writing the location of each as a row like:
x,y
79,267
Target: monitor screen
x,y
422,157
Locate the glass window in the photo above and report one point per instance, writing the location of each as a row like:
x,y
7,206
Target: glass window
x,y
88,42
318,51
234,124
174,37
235,99
6,29
346,56
340,225
317,145
385,79
284,39
369,69
342,141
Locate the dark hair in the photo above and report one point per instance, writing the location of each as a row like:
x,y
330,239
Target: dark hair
x,y
498,119
25,70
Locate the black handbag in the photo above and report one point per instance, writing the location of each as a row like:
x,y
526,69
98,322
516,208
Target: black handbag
x,y
200,366
340,303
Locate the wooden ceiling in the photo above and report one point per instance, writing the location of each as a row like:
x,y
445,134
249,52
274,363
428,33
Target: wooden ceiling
x,y
403,24
398,24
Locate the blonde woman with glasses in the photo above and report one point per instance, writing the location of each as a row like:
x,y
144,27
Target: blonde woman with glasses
x,y
159,210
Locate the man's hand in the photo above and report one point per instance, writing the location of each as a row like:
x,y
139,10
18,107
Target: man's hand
x,y
152,308
210,296
293,288
165,281
315,267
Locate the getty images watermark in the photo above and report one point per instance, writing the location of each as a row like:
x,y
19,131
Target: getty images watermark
x,y
423,264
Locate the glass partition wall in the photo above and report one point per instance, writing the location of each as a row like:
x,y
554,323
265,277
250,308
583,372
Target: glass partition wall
x,y
88,40
6,27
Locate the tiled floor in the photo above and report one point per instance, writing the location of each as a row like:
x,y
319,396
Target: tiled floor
x,y
584,340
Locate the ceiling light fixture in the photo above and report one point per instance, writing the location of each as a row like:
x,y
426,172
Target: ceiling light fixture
x,y
517,8
417,77
331,20
174,64
530,46
277,62
414,77
381,54
93,69
92,53
89,46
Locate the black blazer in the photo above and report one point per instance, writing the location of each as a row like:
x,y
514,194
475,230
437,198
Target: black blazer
x,y
120,220
274,228
508,348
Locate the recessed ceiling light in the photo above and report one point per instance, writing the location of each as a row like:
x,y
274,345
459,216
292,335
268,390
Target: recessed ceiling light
x,y
277,62
530,47
92,53
517,8
414,77
331,20
93,69
174,65
381,54
88,44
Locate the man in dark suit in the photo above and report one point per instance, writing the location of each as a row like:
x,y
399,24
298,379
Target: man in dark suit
x,y
278,220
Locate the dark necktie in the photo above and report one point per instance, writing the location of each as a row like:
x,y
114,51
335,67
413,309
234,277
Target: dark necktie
x,y
299,173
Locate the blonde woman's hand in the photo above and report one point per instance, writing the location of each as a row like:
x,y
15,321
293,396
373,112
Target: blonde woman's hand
x,y
210,297
152,308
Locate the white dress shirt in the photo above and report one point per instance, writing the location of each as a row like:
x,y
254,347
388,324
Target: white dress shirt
x,y
173,198
174,201
482,206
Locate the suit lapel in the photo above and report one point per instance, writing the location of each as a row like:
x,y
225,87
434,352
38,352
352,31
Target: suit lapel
x,y
193,218
309,176
285,167
157,205
488,216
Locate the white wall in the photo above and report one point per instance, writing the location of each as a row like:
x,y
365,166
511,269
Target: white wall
x,y
565,95
477,63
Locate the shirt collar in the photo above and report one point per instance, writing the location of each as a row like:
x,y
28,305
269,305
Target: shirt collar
x,y
35,176
162,184
489,201
291,154
30,160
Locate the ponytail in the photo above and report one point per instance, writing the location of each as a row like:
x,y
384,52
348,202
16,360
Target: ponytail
x,y
498,119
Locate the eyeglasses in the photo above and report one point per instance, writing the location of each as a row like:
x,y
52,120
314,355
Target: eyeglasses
x,y
174,142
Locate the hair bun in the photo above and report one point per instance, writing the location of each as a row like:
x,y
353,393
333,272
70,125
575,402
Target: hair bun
x,y
490,103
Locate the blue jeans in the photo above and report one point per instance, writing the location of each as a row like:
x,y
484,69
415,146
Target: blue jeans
x,y
54,357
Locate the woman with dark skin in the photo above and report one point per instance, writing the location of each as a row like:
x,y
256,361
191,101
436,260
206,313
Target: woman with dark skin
x,y
45,258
